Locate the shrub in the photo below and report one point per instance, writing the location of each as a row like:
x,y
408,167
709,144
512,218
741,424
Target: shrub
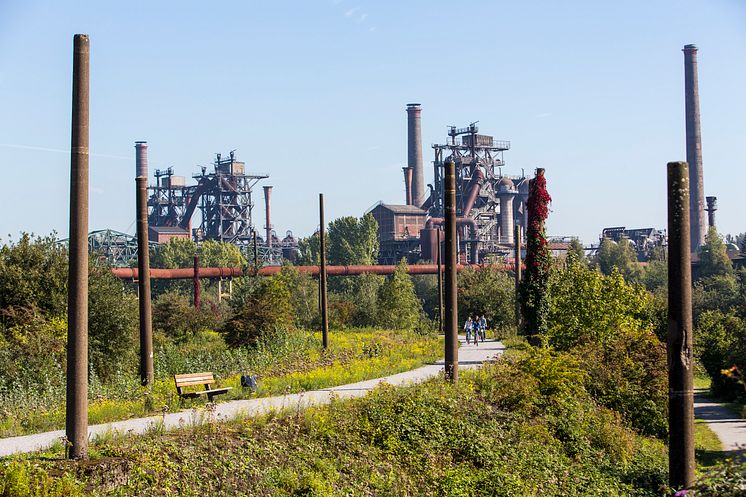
x,y
398,305
720,343
176,317
260,308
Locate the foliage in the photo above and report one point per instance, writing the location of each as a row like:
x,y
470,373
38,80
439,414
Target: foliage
x,y
25,479
713,259
534,305
720,343
620,256
304,296
398,305
33,275
365,295
586,306
575,251
113,321
353,241
723,293
517,427
180,252
490,292
627,373
264,307
724,479
175,316
309,250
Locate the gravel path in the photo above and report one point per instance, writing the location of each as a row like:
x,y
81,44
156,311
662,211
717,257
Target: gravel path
x,y
470,356
727,425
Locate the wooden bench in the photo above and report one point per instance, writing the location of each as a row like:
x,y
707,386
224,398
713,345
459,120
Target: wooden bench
x,y
195,379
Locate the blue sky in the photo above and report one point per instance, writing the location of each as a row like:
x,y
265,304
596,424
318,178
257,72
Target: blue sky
x,y
314,93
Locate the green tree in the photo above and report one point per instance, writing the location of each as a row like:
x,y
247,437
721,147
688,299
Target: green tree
x,y
113,321
398,305
260,307
489,292
353,241
586,305
180,252
308,251
713,258
175,317
621,256
304,296
220,254
33,276
575,250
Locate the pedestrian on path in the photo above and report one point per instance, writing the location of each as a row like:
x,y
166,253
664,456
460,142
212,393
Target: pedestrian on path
x,y
483,327
475,330
467,329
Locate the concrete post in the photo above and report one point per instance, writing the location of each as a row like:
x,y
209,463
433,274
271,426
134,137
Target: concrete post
x,y
517,257
76,408
694,149
680,365
322,275
451,298
147,373
195,282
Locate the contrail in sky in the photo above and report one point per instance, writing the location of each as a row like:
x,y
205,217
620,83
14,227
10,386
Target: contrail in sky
x,y
59,150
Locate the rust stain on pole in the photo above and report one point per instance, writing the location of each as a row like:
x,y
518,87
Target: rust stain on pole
x,y
451,300
76,408
517,270
195,282
147,373
680,367
322,275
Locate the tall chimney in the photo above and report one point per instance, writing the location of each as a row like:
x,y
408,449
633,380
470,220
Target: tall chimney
x,y
694,149
414,153
268,219
712,206
141,159
408,184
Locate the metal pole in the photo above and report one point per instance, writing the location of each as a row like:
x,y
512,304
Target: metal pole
x,y
680,366
76,408
143,284
195,281
517,257
451,300
322,275
440,286
256,254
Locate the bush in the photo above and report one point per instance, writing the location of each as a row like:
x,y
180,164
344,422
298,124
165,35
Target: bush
x,y
398,305
720,343
724,479
175,316
258,308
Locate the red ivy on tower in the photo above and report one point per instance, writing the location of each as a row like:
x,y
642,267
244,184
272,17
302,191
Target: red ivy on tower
x,y
538,260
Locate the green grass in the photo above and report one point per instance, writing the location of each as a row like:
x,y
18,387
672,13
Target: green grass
x,y
708,448
497,433
353,355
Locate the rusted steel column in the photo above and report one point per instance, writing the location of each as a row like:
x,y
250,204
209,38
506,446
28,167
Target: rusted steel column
x,y
440,284
322,275
680,365
76,408
256,254
517,257
195,281
451,298
143,263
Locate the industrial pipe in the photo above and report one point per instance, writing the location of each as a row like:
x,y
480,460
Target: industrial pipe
x,y
76,407
408,184
131,273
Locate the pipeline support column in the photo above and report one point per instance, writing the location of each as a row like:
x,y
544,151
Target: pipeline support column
x,y
76,407
147,373
451,299
679,344
322,275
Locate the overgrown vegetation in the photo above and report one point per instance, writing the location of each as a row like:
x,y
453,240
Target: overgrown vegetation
x,y
523,426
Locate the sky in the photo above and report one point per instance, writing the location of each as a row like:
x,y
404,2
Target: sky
x,y
313,93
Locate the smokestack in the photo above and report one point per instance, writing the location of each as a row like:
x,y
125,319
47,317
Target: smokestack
x,y
694,149
408,184
712,206
268,219
414,153
141,159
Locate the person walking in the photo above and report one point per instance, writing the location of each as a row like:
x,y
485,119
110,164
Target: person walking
x,y
475,330
467,329
483,327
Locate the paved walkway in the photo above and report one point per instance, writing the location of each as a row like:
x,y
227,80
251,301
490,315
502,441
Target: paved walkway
x,y
727,425
470,356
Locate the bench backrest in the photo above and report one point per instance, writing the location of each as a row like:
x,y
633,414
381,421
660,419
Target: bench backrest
x,y
186,380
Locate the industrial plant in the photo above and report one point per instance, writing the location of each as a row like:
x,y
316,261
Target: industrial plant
x,y
489,203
